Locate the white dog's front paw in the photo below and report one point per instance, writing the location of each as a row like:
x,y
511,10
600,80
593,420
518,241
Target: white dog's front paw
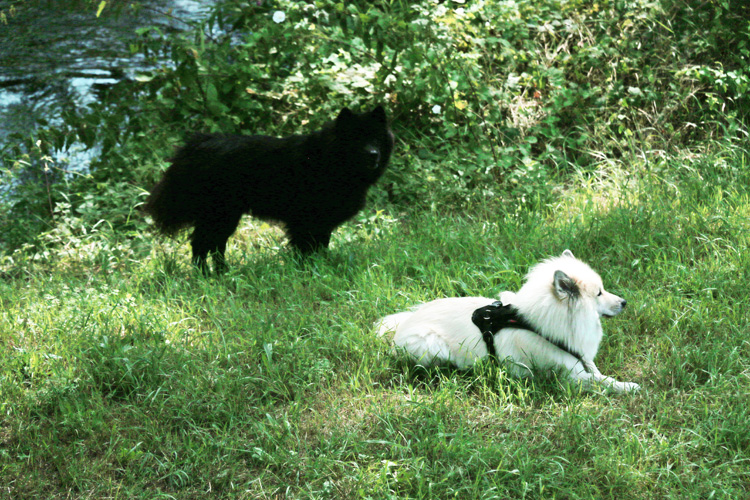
x,y
626,387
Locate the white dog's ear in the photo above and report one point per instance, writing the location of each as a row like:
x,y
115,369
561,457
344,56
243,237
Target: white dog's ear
x,y
565,286
568,253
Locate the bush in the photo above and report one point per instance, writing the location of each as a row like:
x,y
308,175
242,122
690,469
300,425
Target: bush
x,y
488,98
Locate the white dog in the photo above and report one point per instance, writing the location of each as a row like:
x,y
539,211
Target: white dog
x,y
552,322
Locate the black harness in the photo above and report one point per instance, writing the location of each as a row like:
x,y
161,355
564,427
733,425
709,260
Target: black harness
x,y
496,316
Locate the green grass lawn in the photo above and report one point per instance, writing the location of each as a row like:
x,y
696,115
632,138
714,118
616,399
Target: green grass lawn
x,y
146,380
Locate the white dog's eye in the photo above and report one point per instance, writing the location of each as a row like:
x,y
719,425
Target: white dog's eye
x,y
599,294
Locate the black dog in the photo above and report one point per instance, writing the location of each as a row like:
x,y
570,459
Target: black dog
x,y
311,183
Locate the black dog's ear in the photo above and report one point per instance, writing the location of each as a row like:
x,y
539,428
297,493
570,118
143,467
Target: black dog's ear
x,y
565,286
345,122
379,114
344,115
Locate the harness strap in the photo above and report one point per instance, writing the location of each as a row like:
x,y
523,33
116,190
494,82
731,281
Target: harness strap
x,y
496,316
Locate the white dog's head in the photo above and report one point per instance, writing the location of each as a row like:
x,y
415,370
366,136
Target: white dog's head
x,y
574,282
581,282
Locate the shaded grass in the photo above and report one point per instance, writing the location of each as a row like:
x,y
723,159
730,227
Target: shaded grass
x,y
268,382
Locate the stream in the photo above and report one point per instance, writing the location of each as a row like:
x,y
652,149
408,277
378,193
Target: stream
x,y
58,53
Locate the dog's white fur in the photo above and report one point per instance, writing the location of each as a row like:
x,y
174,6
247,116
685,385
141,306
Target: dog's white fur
x,y
563,298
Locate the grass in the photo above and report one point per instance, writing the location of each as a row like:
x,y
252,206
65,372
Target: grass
x,y
145,379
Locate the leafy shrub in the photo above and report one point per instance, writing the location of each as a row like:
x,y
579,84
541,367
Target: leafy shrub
x,y
487,98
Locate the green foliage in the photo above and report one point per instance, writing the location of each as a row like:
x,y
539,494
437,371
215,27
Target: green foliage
x,y
615,128
488,98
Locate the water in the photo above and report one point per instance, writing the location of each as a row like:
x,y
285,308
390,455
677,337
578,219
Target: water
x,y
57,53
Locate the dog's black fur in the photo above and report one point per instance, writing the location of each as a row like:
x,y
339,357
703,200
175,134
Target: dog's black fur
x,y
311,183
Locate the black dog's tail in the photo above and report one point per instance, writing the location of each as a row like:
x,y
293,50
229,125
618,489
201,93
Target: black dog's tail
x,y
175,202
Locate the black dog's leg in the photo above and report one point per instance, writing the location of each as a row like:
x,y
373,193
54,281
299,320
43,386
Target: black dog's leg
x,y
200,244
217,255
307,241
210,237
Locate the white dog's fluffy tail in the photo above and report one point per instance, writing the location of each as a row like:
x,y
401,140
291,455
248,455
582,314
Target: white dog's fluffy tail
x,y
387,326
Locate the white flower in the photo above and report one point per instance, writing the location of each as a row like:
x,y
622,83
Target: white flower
x,y
437,109
279,16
